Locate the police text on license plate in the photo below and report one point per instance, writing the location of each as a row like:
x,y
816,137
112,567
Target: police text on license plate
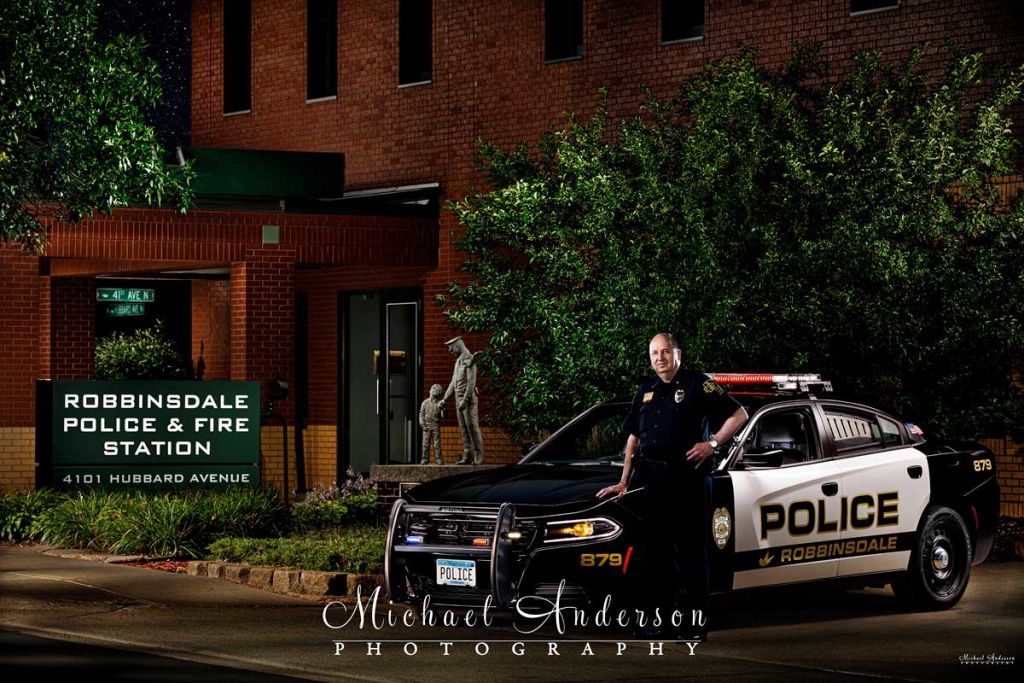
x,y
456,573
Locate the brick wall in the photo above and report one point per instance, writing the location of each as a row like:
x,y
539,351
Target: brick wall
x,y
263,319
211,326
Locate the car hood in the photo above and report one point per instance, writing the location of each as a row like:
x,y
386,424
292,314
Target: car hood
x,y
523,484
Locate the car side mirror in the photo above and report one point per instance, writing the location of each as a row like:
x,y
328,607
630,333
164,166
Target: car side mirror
x,y
763,460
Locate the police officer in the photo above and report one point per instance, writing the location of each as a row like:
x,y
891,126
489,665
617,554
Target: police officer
x,y
676,421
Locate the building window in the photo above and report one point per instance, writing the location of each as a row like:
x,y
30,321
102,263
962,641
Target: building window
x,y
237,56
321,49
414,42
862,6
563,30
682,20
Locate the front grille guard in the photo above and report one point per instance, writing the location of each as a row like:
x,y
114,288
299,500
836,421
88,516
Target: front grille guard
x,y
501,551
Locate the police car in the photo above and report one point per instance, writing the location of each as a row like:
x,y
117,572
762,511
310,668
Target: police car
x,y
810,489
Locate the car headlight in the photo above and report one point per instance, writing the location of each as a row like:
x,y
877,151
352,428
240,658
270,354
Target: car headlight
x,y
590,529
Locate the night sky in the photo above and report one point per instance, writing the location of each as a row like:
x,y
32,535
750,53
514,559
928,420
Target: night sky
x,y
166,27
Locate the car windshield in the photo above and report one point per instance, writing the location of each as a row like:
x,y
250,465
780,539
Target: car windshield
x,y
596,437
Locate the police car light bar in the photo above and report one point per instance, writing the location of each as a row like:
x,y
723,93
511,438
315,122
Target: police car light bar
x,y
805,382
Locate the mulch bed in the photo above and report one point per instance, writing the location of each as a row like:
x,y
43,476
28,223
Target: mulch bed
x,y
175,566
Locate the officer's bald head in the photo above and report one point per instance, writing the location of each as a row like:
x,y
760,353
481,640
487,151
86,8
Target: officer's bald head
x,y
664,355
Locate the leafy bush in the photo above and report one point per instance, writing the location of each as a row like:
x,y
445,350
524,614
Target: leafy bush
x,y
85,520
325,507
160,525
19,511
143,354
245,512
353,549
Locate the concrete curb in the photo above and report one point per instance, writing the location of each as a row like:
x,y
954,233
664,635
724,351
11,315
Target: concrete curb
x,y
285,580
275,579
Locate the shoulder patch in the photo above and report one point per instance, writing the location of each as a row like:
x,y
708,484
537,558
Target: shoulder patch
x,y
711,387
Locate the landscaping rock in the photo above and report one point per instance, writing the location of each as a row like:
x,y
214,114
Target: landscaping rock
x,y
365,582
215,570
287,580
196,568
237,573
323,583
261,577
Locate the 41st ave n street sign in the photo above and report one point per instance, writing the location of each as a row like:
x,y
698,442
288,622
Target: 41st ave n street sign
x,y
121,295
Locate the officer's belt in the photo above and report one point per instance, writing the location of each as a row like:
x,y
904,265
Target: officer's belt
x,y
664,455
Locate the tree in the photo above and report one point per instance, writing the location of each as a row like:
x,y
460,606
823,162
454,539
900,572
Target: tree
x,y
775,220
73,132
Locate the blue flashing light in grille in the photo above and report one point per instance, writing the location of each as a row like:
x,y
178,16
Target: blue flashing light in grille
x,y
413,540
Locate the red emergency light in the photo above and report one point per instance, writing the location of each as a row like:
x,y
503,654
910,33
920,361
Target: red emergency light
x,y
779,382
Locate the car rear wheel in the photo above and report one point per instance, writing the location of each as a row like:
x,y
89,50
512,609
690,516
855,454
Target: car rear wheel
x,y
940,563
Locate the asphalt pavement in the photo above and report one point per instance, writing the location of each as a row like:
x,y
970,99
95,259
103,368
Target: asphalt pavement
x,y
62,616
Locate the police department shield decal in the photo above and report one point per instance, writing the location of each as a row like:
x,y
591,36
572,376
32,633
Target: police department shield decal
x,y
680,395
721,526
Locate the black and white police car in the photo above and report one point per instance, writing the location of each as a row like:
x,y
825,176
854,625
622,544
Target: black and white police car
x,y
811,489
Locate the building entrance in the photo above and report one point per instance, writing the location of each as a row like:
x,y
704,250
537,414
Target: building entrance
x,y
381,376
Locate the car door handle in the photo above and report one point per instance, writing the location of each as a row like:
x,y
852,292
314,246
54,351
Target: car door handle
x,y
915,471
830,488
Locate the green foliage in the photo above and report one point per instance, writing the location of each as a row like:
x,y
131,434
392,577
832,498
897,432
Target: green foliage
x,y
73,131
158,524
245,512
352,549
774,220
342,511
88,521
144,354
18,512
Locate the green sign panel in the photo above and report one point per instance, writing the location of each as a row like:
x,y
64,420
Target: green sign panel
x,y
166,434
145,296
123,310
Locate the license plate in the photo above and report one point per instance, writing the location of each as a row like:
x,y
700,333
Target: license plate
x,y
456,573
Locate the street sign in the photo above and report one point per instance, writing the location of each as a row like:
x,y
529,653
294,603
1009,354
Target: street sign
x,y
145,296
123,310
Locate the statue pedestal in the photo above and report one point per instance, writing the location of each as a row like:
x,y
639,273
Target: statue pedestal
x,y
394,480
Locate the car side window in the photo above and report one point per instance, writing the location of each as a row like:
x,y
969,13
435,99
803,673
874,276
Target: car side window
x,y
891,435
860,431
789,431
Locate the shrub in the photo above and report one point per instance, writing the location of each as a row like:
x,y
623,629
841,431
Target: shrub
x,y
19,511
143,354
353,549
160,525
163,525
83,520
245,512
325,507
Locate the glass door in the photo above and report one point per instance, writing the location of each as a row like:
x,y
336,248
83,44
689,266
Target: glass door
x,y
379,379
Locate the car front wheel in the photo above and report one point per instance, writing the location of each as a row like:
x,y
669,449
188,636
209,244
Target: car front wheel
x,y
940,563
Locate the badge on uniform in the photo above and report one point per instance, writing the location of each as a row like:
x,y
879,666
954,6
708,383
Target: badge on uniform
x,y
648,397
680,395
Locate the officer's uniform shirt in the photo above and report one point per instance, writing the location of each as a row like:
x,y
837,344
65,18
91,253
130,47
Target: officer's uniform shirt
x,y
669,418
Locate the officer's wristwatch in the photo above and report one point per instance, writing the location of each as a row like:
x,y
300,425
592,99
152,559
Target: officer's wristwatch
x,y
713,442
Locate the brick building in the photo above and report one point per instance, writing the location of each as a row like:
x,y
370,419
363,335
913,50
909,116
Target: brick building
x,y
284,284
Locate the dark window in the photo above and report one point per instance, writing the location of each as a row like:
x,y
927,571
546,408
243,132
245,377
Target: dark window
x,y
855,431
563,29
789,431
681,20
414,42
321,48
872,5
237,55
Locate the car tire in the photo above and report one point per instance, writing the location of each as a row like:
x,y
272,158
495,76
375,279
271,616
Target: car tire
x,y
940,564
